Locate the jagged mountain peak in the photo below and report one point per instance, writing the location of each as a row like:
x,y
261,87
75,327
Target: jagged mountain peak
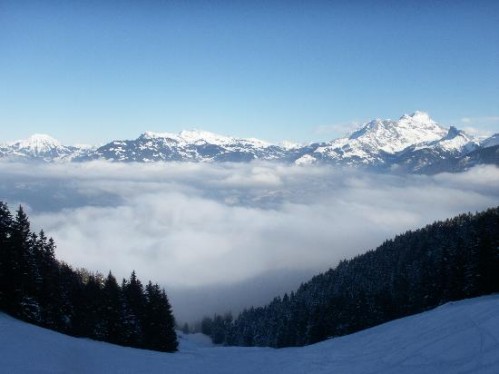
x,y
456,140
417,121
38,141
417,116
412,143
38,146
394,136
455,132
196,136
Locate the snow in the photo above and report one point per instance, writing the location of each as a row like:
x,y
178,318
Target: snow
x,y
200,136
157,135
306,160
37,143
289,145
460,337
195,136
491,142
372,144
395,136
417,116
457,141
366,144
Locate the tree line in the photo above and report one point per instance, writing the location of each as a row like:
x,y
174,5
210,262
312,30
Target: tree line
x,y
418,270
37,288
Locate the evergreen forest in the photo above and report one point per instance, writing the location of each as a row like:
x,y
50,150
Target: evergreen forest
x,y
37,288
449,260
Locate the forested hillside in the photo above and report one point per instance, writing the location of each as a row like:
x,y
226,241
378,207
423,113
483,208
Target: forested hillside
x,y
36,287
449,260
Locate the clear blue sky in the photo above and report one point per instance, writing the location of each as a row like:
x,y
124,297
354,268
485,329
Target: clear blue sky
x,y
92,71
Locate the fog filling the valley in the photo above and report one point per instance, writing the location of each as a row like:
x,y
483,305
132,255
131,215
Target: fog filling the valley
x,y
226,236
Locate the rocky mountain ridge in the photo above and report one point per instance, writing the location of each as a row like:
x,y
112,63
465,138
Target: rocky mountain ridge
x,y
413,143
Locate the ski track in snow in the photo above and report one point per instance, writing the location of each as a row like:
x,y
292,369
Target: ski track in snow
x,y
459,337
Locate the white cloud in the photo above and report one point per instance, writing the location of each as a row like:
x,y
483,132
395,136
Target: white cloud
x,y
202,225
481,126
485,119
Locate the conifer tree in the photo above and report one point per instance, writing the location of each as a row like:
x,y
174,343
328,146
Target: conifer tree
x,y
409,274
112,310
23,268
36,287
6,258
159,323
135,301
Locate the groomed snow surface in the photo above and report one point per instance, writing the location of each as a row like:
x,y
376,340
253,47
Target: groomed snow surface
x,y
459,337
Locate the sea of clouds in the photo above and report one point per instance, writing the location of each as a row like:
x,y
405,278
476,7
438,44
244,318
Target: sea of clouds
x,y
226,236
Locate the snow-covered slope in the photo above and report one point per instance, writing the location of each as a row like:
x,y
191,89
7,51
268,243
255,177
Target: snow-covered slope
x,y
191,145
40,147
437,155
394,136
460,337
491,142
379,142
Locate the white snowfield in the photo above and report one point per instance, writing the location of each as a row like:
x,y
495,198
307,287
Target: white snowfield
x,y
460,337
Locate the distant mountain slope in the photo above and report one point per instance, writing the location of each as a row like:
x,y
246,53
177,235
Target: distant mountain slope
x,y
40,147
480,156
413,143
186,146
456,338
379,137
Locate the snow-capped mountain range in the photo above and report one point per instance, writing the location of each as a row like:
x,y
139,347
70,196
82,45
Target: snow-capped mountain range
x,y
413,143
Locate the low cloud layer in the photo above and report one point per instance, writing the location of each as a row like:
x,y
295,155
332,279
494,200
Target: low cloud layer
x,y
195,227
